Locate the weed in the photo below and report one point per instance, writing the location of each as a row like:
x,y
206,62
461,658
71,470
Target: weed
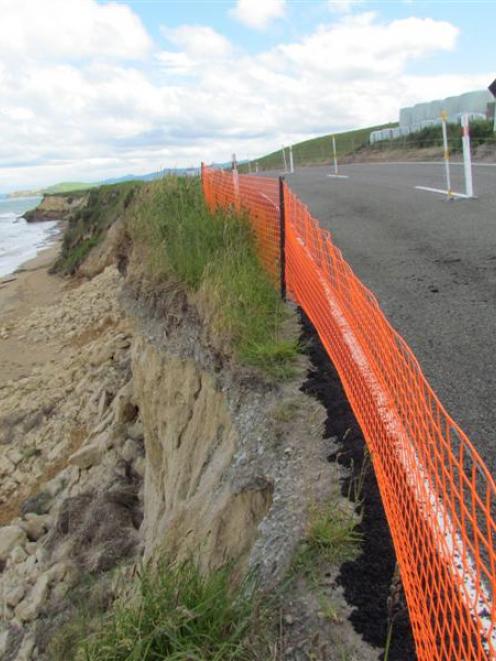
x,y
179,614
331,537
286,410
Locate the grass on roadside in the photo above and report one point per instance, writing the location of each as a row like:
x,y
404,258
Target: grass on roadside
x,y
332,536
178,614
318,150
214,254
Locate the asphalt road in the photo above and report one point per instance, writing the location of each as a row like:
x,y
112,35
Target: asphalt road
x,y
432,264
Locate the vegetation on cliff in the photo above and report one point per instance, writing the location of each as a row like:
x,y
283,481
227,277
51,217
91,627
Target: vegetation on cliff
x,y
89,223
169,223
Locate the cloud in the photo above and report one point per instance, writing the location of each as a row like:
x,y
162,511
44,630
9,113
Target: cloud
x,y
258,13
198,40
70,29
105,113
343,6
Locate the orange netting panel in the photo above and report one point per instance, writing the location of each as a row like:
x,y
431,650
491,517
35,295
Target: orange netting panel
x,y
438,495
259,198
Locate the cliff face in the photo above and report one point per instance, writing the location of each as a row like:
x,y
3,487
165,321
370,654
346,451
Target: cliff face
x,y
56,207
144,438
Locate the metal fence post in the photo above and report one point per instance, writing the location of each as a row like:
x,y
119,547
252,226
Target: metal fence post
x,y
282,238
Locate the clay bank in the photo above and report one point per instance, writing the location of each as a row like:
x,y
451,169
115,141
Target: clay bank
x,y
161,430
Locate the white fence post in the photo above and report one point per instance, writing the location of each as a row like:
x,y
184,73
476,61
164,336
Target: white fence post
x,y
284,162
291,160
256,166
467,157
444,117
335,155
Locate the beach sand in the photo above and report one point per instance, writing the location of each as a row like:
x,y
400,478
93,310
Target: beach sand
x,y
31,286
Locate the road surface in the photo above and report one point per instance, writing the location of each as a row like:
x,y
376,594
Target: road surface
x,y
432,264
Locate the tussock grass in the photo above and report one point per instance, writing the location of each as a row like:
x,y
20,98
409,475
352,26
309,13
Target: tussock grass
x,y
215,255
178,614
332,537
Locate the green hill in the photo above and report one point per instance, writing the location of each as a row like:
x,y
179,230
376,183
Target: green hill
x,y
67,187
317,150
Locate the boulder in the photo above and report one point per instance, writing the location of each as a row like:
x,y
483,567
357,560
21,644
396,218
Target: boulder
x,y
6,466
129,451
87,456
10,536
13,594
35,525
18,554
31,605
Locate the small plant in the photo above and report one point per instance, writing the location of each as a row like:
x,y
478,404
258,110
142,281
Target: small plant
x,y
179,614
332,534
331,537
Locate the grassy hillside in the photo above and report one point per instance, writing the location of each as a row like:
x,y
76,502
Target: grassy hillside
x,y
68,187
317,150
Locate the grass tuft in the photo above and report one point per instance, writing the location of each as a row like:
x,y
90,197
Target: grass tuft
x,y
215,254
179,614
332,537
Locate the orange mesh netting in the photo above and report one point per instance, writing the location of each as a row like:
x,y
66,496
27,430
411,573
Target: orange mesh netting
x,y
438,495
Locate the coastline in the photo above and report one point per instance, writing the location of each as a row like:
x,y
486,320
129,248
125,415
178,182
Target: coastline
x,y
30,286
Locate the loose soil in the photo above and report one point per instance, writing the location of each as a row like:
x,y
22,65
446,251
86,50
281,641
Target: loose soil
x,y
367,580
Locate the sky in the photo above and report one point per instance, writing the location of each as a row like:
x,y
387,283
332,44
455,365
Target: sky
x,y
91,89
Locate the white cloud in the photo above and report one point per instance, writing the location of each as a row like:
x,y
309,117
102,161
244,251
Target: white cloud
x,y
343,6
70,29
101,115
198,40
258,13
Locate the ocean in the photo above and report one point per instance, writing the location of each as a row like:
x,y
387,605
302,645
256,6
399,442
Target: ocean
x,y
19,240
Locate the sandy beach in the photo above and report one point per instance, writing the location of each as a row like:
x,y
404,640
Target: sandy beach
x,y
28,287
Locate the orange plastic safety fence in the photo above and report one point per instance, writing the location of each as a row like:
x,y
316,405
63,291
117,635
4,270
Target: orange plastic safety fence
x,y
257,196
438,495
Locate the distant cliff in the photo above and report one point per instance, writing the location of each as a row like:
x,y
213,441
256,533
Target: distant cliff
x,y
56,207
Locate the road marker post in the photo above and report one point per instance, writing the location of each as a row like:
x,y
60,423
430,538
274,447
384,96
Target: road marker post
x,y
284,161
256,167
336,174
291,160
444,117
451,195
467,157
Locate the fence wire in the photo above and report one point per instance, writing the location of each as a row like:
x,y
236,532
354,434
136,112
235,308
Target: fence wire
x,y
438,495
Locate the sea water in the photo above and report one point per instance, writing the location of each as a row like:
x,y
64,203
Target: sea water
x,y
19,240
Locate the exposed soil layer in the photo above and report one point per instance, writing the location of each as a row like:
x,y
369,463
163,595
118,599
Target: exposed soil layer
x,y
367,580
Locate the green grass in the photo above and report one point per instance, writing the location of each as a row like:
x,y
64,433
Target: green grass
x,y
216,257
68,187
213,256
88,225
318,150
179,614
481,132
332,536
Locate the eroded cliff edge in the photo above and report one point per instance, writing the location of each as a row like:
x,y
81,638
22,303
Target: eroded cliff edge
x,y
147,438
